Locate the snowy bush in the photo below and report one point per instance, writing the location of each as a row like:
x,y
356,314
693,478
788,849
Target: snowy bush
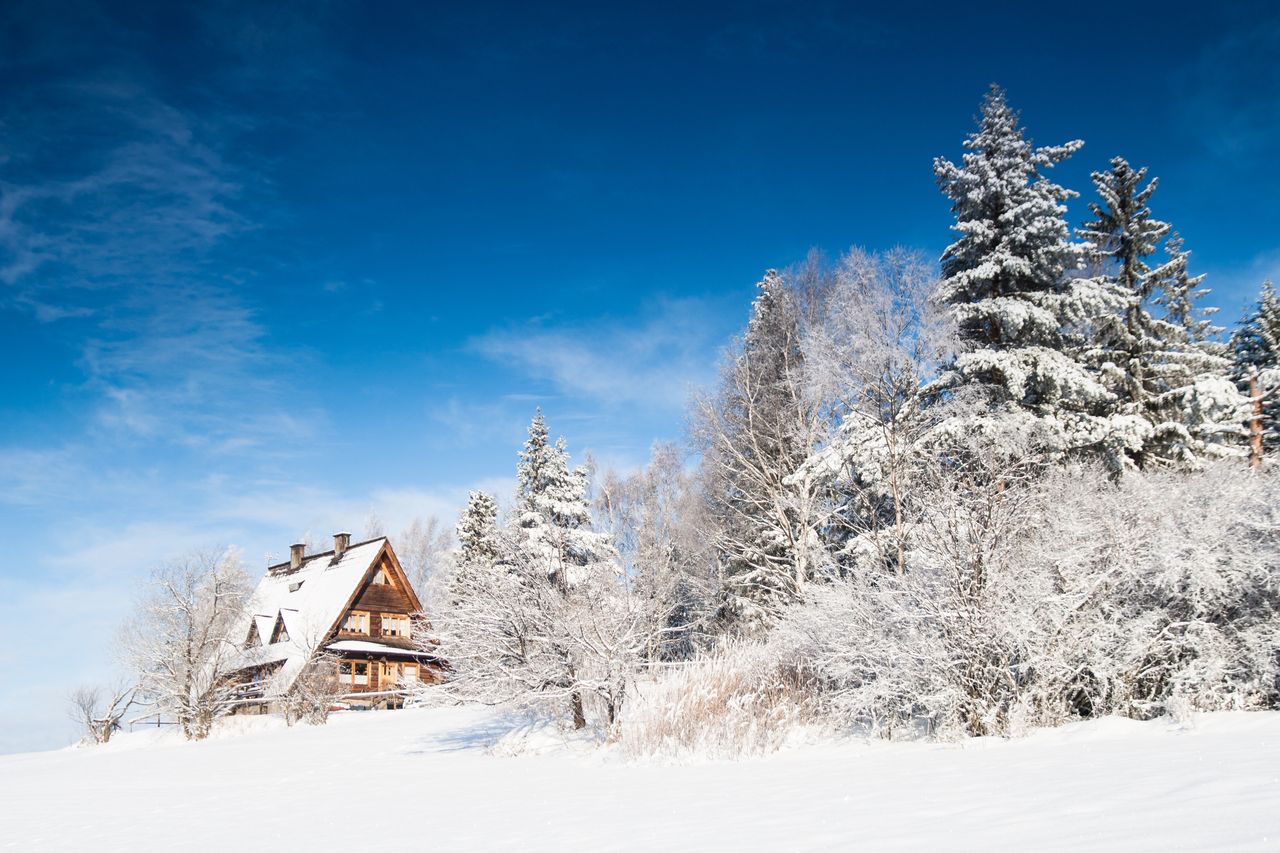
x,y
1032,599
738,701
1170,589
950,640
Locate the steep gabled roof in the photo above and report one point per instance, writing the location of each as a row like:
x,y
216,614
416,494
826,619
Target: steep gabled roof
x,y
309,601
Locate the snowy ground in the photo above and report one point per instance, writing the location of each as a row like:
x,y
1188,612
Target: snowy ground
x,y
428,780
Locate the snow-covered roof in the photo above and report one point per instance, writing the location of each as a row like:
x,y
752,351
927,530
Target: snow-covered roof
x,y
368,648
309,601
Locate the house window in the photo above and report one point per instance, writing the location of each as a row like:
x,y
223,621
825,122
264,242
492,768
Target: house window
x,y
395,625
357,622
410,671
353,672
382,578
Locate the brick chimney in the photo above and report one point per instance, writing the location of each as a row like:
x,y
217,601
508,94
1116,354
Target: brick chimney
x,y
341,541
295,556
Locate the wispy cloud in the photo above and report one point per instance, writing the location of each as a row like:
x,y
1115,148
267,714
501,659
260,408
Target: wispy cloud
x,y
121,212
143,202
30,477
653,362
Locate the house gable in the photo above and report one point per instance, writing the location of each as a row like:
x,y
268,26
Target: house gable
x,y
384,590
279,633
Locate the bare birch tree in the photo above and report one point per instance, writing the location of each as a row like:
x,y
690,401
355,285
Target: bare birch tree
x,y
656,519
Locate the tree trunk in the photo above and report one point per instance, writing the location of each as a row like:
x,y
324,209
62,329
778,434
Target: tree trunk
x,y
1255,422
579,716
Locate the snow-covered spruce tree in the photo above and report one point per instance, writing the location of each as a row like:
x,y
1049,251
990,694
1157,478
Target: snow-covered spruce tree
x,y
477,530
557,543
1172,400
1255,350
180,643
1197,365
1180,294
1008,280
753,434
881,336
536,612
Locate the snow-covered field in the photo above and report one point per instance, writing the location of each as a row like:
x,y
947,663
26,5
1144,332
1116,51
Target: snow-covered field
x,y
429,780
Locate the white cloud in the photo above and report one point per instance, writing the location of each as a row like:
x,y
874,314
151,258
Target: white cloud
x,y
654,361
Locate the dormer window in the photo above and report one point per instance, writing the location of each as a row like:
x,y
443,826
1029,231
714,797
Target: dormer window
x,y
357,623
279,634
253,640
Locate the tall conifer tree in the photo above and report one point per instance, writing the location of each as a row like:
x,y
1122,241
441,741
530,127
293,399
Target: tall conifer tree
x,y
1255,349
1172,402
1009,279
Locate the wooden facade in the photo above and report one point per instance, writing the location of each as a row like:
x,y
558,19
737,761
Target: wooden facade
x,y
382,611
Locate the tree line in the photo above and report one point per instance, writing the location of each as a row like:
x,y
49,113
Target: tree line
x,y
1028,483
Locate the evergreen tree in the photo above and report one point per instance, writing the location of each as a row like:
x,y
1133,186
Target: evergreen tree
x,y
478,542
1171,401
554,513
1195,365
1122,236
1255,349
556,545
1180,294
1008,280
553,624
753,436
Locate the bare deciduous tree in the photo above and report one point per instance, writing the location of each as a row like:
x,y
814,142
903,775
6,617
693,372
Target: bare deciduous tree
x,y
98,713
314,692
656,519
178,642
880,338
423,548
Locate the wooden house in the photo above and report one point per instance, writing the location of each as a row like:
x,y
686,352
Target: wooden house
x,y
354,604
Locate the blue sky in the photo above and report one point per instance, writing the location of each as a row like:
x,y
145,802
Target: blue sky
x,y
263,271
